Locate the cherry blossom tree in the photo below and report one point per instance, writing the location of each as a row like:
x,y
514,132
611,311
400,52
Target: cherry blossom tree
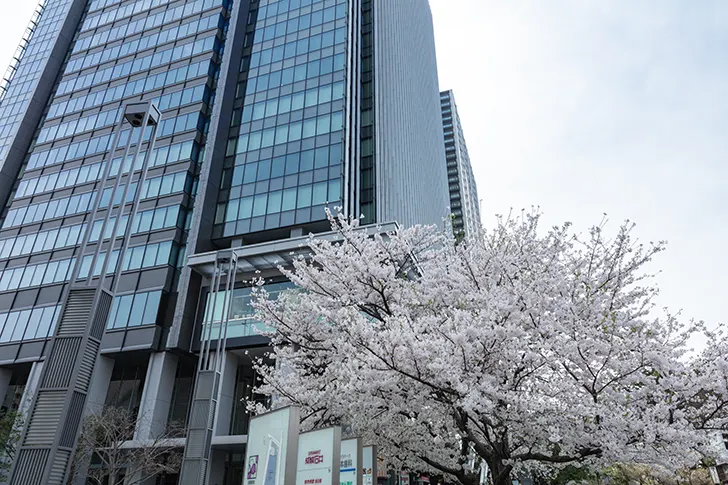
x,y
524,349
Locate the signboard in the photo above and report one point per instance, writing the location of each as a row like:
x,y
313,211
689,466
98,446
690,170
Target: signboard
x,y
272,447
368,465
319,456
404,478
350,468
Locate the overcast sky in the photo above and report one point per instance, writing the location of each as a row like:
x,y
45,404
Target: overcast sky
x,y
590,107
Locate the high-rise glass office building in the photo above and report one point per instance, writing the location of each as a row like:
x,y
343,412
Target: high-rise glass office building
x,y
271,111
464,202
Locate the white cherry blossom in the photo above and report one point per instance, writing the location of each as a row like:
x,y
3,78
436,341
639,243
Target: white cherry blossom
x,y
522,348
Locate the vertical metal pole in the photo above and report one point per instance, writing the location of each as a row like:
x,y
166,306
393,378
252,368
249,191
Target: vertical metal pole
x,y
210,372
50,436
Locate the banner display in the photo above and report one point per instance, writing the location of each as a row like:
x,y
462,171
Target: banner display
x,y
270,458
368,463
319,457
350,472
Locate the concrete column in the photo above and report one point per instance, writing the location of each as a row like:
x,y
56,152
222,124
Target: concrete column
x,y
227,396
95,402
99,387
30,388
217,467
5,375
157,395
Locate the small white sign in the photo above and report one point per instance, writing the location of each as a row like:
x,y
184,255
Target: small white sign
x,y
368,460
319,455
350,467
271,450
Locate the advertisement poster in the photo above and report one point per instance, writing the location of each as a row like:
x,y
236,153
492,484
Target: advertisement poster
x,y
368,462
272,448
350,468
319,457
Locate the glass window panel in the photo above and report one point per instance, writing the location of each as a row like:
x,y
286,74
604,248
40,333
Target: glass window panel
x,y
122,315
319,193
307,160
259,205
34,323
323,125
51,271
151,308
163,253
27,276
54,321
170,216
63,271
278,166
304,196
38,275
246,208
112,314
289,199
158,220
150,255
44,321
321,157
274,202
145,221
135,260
9,327
232,210
325,94
309,128
15,275
137,311
21,325
3,319
268,138
334,190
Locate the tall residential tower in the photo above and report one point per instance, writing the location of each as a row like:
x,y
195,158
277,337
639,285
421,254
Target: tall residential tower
x,y
464,202
270,112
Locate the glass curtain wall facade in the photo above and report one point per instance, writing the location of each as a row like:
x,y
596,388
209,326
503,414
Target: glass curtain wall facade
x,y
271,110
283,161
464,202
167,52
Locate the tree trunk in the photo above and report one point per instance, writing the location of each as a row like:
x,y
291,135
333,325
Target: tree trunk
x,y
500,474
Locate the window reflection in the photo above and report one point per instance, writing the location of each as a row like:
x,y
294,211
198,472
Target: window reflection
x,y
242,321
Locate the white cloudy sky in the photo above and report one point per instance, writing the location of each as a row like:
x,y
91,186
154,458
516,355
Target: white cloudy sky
x,y
590,107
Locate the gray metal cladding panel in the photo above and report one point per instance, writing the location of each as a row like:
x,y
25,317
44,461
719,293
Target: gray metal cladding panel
x,y
196,440
87,366
43,424
73,420
31,351
102,315
200,413
205,384
76,313
29,469
9,353
58,468
141,338
411,174
61,362
192,472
